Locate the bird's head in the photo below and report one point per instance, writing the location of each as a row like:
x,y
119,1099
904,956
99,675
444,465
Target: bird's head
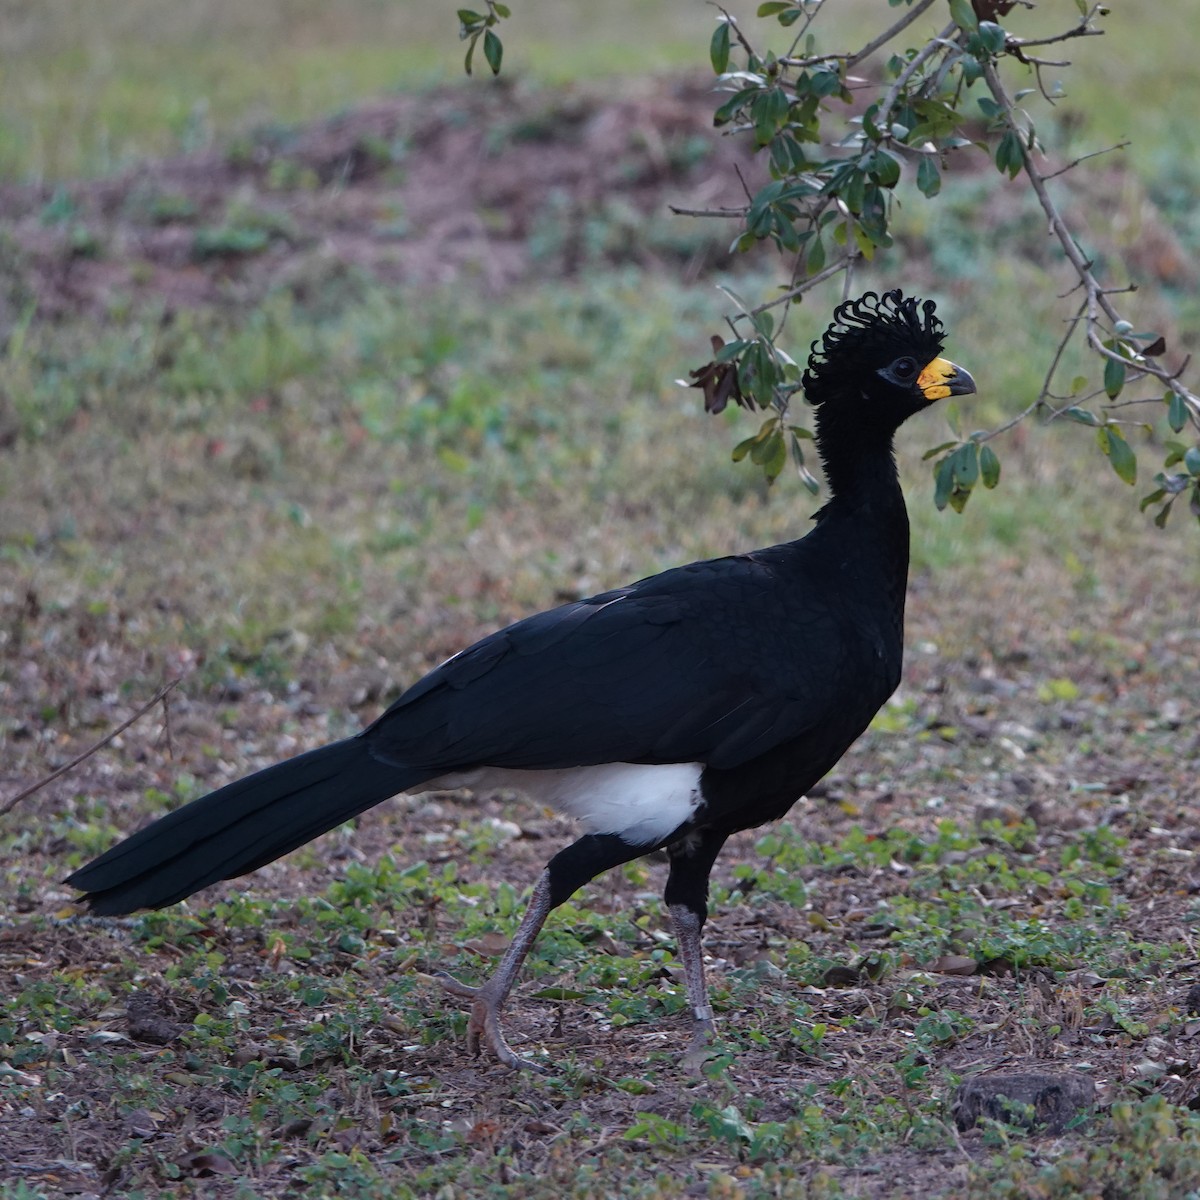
x,y
880,360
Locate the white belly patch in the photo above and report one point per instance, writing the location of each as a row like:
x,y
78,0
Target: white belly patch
x,y
641,804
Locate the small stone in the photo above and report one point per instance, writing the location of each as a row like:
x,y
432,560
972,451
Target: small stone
x,y
1040,1101
147,1022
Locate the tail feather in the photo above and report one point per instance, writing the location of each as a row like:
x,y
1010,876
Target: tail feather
x,y
242,826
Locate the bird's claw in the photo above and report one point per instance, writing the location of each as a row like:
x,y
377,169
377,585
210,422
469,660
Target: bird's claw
x,y
456,987
483,1027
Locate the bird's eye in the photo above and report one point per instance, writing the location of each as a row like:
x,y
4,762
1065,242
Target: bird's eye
x,y
904,368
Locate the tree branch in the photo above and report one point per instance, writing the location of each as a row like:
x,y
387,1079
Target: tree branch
x,y
707,212
932,47
1097,296
838,265
1083,158
882,40
852,60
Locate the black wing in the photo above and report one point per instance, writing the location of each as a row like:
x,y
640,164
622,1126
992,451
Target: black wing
x,y
716,662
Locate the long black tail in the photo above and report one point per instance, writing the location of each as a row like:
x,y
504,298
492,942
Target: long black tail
x,y
239,827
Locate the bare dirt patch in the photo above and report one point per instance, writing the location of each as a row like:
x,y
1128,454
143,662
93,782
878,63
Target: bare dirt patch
x,y
491,182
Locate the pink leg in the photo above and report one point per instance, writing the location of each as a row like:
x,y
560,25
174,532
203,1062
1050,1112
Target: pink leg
x,y
687,926
484,1026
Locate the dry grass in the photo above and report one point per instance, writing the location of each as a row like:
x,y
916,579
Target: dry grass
x,y
300,496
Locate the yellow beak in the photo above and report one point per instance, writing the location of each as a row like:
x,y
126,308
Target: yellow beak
x,y
941,378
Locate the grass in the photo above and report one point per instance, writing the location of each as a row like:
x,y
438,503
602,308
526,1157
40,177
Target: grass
x,y
86,91
300,504
306,507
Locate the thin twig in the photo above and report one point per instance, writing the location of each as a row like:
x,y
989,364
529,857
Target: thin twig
x,y
1083,29
802,32
848,282
800,64
882,40
1096,296
1045,393
1030,61
940,42
1072,326
852,60
161,694
839,264
731,21
707,212
1083,158
742,180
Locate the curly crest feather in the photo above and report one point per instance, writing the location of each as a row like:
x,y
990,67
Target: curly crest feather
x,y
869,330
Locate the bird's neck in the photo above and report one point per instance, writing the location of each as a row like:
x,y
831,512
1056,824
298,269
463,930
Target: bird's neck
x,y
865,490
860,466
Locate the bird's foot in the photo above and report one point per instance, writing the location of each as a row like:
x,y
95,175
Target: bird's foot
x,y
483,1028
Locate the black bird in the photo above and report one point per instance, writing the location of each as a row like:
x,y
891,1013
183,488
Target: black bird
x,y
664,715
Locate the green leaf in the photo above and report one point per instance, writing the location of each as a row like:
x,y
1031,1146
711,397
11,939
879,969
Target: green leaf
x,y
963,15
502,10
777,459
763,449
1191,460
772,7
936,450
989,466
493,51
734,105
743,448
1080,415
1120,454
768,110
816,257
468,18
855,191
1177,413
929,178
718,48
992,36
1114,377
741,304
943,482
886,168
1009,159
471,53
825,83
862,239
966,465
971,67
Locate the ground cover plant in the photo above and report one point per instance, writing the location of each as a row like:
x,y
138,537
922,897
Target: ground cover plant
x,y
298,483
